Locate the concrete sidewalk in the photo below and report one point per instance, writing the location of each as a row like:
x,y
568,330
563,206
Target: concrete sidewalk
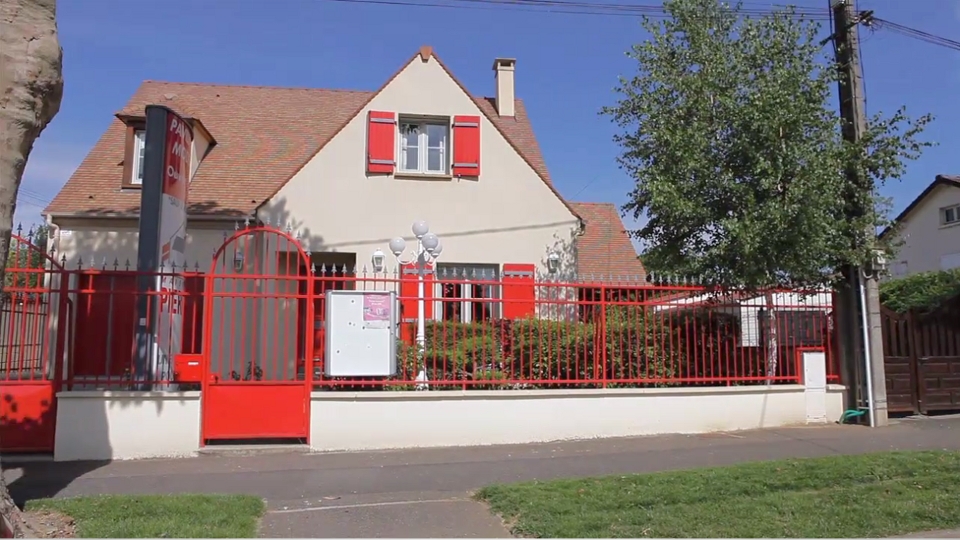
x,y
425,493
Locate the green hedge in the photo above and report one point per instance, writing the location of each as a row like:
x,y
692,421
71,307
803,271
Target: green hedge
x,y
923,292
633,346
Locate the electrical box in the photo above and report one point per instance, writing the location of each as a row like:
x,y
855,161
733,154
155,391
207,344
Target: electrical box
x,y
361,334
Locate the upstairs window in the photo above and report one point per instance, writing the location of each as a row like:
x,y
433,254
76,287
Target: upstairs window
x,y
423,146
950,215
136,169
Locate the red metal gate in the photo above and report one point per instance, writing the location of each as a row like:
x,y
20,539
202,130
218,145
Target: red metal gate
x,y
34,317
256,383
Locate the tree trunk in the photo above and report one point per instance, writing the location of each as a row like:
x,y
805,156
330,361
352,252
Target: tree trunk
x,y
772,345
31,87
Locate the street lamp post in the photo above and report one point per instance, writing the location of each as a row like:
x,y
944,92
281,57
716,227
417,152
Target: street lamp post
x,y
428,251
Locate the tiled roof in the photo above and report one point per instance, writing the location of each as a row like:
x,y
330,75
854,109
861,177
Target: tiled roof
x,y
264,136
605,250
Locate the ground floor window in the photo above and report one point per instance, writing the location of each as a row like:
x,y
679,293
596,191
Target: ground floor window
x,y
467,292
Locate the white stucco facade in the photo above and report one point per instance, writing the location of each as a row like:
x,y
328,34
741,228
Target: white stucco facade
x,y
926,243
507,215
101,241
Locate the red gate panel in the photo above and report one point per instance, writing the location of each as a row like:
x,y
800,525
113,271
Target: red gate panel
x,y
257,375
33,315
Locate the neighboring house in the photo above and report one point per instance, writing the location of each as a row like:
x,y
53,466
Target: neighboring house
x,y
928,230
348,171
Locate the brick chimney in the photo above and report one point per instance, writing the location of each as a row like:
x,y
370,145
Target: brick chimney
x,y
503,69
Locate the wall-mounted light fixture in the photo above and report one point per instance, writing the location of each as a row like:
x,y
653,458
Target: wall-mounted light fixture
x,y
377,261
553,262
238,261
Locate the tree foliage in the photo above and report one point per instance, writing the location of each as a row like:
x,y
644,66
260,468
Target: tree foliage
x,y
728,131
925,291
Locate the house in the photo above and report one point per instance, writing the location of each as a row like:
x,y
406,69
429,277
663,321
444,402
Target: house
x,y
926,234
293,192
348,171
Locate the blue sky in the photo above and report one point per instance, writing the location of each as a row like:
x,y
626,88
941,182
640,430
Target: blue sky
x,y
567,66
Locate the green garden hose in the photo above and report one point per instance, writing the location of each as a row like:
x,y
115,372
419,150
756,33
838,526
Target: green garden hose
x,y
851,414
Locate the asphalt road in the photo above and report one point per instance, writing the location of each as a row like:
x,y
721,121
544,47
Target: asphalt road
x,y
426,493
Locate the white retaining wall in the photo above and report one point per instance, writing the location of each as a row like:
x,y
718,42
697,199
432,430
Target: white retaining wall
x,y
383,420
97,425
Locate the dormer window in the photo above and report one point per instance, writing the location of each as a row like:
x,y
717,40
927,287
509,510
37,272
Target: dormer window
x,y
133,152
136,169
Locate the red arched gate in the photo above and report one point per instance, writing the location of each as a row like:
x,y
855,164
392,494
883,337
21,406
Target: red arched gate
x,y
34,316
256,383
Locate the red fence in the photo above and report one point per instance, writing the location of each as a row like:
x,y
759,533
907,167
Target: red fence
x,y
495,331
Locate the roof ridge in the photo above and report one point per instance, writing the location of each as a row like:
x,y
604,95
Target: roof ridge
x,y
277,87
595,203
256,86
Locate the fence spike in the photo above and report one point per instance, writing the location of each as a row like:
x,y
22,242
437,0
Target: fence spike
x,y
313,268
309,254
355,269
364,270
197,266
63,261
289,228
128,264
103,264
19,229
30,234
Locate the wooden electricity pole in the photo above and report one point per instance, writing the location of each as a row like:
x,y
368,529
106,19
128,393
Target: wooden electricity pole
x,y
856,349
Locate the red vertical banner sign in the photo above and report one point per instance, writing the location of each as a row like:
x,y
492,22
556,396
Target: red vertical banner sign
x,y
173,238
162,241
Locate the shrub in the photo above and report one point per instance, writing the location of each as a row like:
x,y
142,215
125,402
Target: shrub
x,y
540,349
926,291
639,345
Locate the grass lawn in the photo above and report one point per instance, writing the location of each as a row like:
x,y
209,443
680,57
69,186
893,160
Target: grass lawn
x,y
874,495
154,516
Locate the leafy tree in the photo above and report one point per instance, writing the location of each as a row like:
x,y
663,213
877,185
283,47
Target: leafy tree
x,y
729,132
925,291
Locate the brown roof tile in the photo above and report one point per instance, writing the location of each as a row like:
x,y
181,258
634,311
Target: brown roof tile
x,y
264,136
605,248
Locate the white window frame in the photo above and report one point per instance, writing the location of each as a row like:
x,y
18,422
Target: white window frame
x,y
139,147
956,215
466,291
422,146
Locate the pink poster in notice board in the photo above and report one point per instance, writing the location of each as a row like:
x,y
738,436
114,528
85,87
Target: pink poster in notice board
x,y
376,308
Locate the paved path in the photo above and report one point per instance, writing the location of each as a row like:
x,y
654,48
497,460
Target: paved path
x,y
425,493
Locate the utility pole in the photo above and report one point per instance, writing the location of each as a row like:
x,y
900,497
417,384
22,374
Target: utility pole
x,y
859,344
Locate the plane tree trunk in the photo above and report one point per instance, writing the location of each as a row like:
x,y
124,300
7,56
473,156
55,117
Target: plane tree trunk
x,y
31,87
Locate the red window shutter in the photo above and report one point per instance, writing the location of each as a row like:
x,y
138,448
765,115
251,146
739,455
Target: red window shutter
x,y
519,291
466,146
381,142
408,292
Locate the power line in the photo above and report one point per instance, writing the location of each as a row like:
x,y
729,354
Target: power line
x,y
914,33
572,7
